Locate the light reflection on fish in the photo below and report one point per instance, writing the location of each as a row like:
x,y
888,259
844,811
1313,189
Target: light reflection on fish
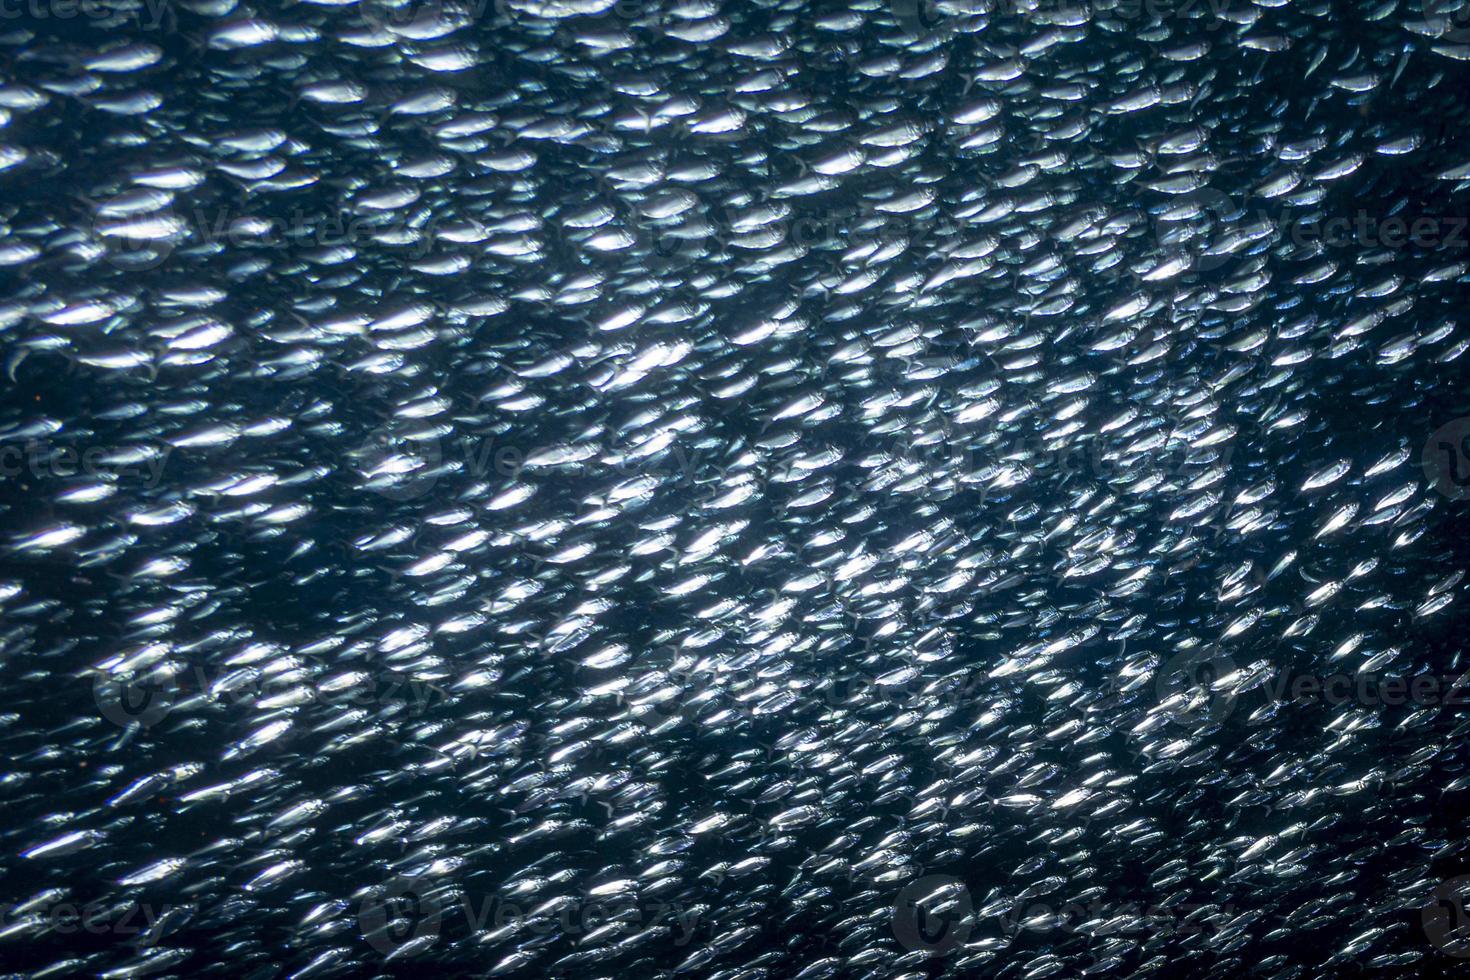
x,y
714,465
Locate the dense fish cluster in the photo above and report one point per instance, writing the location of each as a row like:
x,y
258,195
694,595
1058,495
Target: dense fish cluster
x,y
733,489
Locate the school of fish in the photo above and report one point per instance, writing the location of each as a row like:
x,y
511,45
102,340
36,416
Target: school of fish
x,y
733,489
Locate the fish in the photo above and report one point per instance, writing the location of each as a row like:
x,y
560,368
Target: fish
x,y
573,488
